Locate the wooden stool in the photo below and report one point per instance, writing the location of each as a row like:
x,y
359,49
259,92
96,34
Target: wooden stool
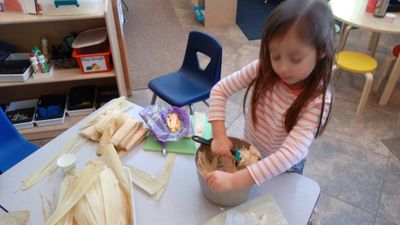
x,y
386,68
356,62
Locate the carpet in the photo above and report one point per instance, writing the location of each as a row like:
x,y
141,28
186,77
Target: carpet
x,y
154,39
251,15
393,144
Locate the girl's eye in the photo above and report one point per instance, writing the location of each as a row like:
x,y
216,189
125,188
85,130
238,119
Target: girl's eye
x,y
296,60
275,57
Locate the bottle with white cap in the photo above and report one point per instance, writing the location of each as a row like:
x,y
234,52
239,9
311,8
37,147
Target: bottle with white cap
x,y
35,65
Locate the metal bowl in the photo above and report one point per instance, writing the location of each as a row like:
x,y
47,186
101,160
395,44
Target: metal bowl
x,y
231,198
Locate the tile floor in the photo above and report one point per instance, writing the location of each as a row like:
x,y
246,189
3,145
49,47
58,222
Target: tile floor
x,y
358,175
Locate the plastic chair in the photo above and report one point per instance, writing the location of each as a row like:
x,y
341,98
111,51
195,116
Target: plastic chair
x,y
386,69
356,62
13,147
191,84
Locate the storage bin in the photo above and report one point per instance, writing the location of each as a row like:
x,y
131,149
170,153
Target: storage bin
x,y
93,63
16,67
92,51
21,113
71,7
50,110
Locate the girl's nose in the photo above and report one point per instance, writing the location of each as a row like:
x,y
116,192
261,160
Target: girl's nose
x,y
282,69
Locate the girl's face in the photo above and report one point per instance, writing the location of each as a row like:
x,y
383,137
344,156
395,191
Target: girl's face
x,y
292,58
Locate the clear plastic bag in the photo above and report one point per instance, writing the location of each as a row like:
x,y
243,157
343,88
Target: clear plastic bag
x,y
155,116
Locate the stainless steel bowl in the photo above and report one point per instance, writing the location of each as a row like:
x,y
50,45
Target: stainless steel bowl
x,y
231,198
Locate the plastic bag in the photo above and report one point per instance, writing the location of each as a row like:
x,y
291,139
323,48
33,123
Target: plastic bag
x,y
155,116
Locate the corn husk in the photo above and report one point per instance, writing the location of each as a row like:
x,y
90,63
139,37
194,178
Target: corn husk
x,y
125,141
116,121
49,168
111,196
120,104
14,218
123,131
169,165
91,133
80,184
145,181
136,139
68,218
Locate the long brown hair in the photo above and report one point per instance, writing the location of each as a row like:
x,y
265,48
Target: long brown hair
x,y
315,24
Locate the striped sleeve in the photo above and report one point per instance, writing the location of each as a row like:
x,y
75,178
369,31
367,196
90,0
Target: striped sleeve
x,y
228,86
295,147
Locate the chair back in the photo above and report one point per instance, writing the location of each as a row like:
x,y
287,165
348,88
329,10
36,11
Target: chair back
x,y
208,45
7,129
13,147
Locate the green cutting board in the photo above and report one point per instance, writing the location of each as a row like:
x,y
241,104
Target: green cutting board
x,y
183,146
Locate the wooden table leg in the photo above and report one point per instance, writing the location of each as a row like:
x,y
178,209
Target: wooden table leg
x,y
391,83
373,43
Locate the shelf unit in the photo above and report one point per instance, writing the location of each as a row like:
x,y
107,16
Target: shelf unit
x,y
25,31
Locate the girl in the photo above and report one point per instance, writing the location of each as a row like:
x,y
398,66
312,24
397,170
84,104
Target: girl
x,y
289,94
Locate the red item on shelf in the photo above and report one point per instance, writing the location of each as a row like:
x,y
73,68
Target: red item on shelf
x,y
93,62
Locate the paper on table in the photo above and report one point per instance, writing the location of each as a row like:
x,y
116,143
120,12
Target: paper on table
x,y
262,208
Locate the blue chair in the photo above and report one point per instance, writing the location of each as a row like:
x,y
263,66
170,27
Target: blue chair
x,y
13,147
191,84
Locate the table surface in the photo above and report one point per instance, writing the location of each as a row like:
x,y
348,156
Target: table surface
x,y
353,12
181,203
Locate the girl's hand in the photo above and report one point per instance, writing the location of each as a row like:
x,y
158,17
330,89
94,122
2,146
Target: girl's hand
x,y
221,145
223,181
220,181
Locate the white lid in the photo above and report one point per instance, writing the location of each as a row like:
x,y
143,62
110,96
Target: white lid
x,y
90,37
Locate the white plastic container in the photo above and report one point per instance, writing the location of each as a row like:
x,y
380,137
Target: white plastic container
x,y
23,105
17,77
84,7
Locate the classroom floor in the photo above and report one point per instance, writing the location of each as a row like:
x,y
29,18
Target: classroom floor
x,y
359,176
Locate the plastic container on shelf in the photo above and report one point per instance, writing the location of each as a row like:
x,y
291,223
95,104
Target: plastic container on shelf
x,y
16,67
72,7
21,113
92,51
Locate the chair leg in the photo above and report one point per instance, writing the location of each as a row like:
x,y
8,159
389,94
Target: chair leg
x,y
205,102
153,99
365,93
391,83
191,109
338,73
343,37
382,74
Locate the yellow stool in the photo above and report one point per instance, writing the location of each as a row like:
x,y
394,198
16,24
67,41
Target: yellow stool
x,y
356,62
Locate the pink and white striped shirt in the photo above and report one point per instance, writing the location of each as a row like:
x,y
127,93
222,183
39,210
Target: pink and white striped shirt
x,y
280,150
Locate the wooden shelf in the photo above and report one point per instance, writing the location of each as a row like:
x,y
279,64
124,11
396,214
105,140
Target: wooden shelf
x,y
52,131
61,75
15,18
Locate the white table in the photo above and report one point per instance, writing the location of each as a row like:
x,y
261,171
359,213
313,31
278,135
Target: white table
x,y
353,14
181,203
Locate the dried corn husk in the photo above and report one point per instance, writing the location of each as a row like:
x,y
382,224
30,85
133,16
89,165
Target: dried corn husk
x,y
105,122
80,184
14,218
72,146
110,129
120,104
166,174
136,139
145,181
125,141
91,133
111,196
123,131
